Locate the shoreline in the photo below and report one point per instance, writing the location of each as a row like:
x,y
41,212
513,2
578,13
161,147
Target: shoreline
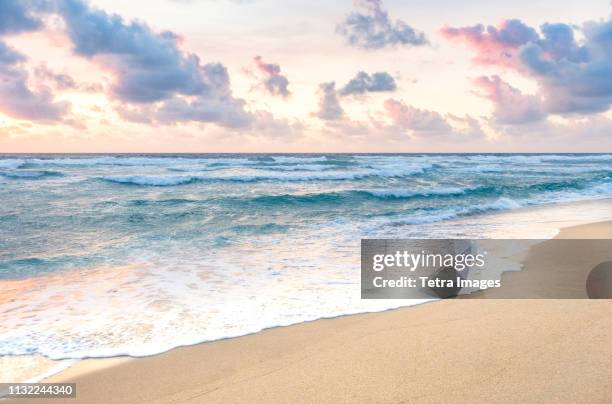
x,y
96,374
518,217
538,221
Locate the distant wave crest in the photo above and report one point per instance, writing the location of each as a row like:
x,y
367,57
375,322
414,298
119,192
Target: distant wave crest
x,y
30,174
171,180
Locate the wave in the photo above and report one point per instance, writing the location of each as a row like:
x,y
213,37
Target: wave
x,y
299,159
262,159
354,195
162,202
407,194
539,158
294,167
426,216
150,180
11,164
164,181
259,229
577,157
110,161
275,166
411,193
540,169
557,195
161,180
223,227
30,174
318,197
331,176
133,161
511,158
307,199
339,160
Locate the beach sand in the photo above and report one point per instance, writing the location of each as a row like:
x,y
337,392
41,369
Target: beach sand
x,y
464,350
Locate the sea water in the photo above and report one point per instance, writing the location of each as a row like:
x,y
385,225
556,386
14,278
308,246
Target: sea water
x,y
105,255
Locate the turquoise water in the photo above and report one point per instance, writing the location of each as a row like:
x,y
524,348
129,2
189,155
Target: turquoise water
x,y
103,255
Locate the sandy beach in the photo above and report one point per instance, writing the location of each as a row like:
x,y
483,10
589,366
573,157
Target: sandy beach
x,y
467,350
362,201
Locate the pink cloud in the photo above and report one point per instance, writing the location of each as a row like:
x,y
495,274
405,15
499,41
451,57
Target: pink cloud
x,y
572,73
423,122
511,105
274,82
420,120
493,45
268,68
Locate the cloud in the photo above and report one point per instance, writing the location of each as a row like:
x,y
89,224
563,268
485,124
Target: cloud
x,y
265,123
149,67
419,120
63,81
423,123
220,107
329,106
229,113
573,76
494,45
329,103
9,56
23,103
15,17
274,82
373,29
364,83
17,99
60,81
511,106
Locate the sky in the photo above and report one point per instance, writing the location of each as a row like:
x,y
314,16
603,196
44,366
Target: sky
x,y
296,76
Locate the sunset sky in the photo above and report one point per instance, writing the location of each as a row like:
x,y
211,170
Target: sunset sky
x,y
305,76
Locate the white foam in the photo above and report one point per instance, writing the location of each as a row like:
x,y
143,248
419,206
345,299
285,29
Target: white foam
x,y
168,301
135,161
297,159
407,193
260,175
295,167
272,176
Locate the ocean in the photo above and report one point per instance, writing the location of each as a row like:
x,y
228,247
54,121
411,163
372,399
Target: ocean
x,y
106,255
